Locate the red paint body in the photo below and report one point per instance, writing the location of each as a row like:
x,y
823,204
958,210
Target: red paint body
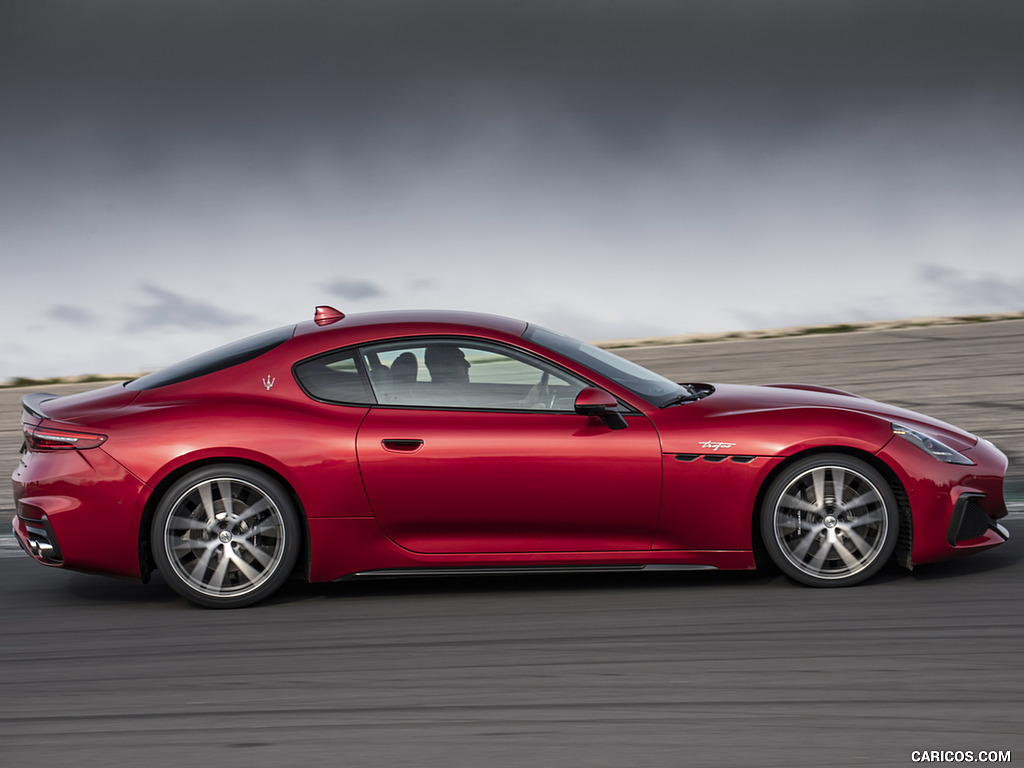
x,y
389,487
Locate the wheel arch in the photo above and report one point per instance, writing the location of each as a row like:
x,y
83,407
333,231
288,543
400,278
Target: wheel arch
x,y
146,562
906,531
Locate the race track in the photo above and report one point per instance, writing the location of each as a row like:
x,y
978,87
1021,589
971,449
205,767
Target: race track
x,y
695,669
709,669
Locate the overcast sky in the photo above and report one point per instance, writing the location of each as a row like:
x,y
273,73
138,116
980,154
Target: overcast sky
x,y
174,175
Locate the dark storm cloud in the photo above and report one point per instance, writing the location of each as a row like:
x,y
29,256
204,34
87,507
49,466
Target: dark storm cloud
x,y
355,289
122,89
171,310
71,315
971,290
618,61
889,39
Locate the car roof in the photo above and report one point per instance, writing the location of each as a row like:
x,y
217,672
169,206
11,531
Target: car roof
x,y
367,325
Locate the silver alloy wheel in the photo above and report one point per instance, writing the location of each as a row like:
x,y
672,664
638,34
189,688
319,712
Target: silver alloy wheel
x,y
831,522
225,537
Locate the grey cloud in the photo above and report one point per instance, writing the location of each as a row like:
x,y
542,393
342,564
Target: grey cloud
x,y
355,289
70,315
984,290
169,309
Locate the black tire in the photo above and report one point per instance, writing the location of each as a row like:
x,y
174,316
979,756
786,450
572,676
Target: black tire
x,y
225,536
830,520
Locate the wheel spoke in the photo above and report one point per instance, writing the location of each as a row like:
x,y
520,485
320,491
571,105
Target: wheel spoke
x,y
206,498
224,487
805,544
815,563
790,524
261,506
866,498
263,529
250,573
190,524
217,579
193,545
870,518
789,501
204,562
861,543
818,476
851,560
259,555
838,484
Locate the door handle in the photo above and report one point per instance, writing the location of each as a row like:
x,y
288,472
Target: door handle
x,y
401,445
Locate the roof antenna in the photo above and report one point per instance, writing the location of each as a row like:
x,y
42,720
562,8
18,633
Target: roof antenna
x,y
325,315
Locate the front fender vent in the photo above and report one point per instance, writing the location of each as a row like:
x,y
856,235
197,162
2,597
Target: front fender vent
x,y
714,458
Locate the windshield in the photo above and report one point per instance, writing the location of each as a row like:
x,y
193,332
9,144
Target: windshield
x,y
652,387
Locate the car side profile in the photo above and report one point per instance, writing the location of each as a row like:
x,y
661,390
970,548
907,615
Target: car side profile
x,y
405,443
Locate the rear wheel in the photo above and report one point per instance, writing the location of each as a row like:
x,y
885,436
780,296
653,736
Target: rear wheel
x,y
830,520
225,536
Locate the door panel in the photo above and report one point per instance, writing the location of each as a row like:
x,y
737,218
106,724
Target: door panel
x,y
450,481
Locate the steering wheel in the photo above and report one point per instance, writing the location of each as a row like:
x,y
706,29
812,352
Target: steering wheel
x,y
540,393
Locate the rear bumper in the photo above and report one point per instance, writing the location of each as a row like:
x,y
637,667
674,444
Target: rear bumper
x,y
79,510
38,540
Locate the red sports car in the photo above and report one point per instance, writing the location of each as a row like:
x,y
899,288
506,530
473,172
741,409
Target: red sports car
x,y
398,443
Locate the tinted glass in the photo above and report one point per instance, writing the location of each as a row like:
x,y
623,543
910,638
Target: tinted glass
x,y
452,373
335,378
649,385
215,360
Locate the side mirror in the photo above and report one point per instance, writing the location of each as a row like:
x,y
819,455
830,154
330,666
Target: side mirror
x,y
592,401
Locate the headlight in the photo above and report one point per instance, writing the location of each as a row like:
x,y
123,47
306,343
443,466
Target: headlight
x,y
931,446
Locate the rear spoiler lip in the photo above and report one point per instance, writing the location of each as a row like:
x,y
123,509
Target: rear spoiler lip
x,y
33,403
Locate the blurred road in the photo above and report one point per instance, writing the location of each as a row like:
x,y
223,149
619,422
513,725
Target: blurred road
x,y
698,669
702,669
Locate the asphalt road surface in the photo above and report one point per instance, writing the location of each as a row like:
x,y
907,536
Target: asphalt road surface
x,y
694,669
686,669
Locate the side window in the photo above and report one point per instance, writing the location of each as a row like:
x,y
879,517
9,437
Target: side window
x,y
335,378
450,373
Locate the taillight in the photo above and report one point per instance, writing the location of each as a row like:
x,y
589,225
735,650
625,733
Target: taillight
x,y
50,439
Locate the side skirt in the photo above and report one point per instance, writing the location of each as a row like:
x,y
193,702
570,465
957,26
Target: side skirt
x,y
501,570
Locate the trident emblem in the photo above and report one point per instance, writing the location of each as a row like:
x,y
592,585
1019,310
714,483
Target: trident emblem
x,y
268,382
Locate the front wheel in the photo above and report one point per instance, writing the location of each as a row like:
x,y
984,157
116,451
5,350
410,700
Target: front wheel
x,y
225,536
830,520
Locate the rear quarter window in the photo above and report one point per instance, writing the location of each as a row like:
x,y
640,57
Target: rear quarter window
x,y
334,378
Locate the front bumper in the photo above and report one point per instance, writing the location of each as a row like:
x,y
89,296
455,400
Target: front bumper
x,y
971,522
954,509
